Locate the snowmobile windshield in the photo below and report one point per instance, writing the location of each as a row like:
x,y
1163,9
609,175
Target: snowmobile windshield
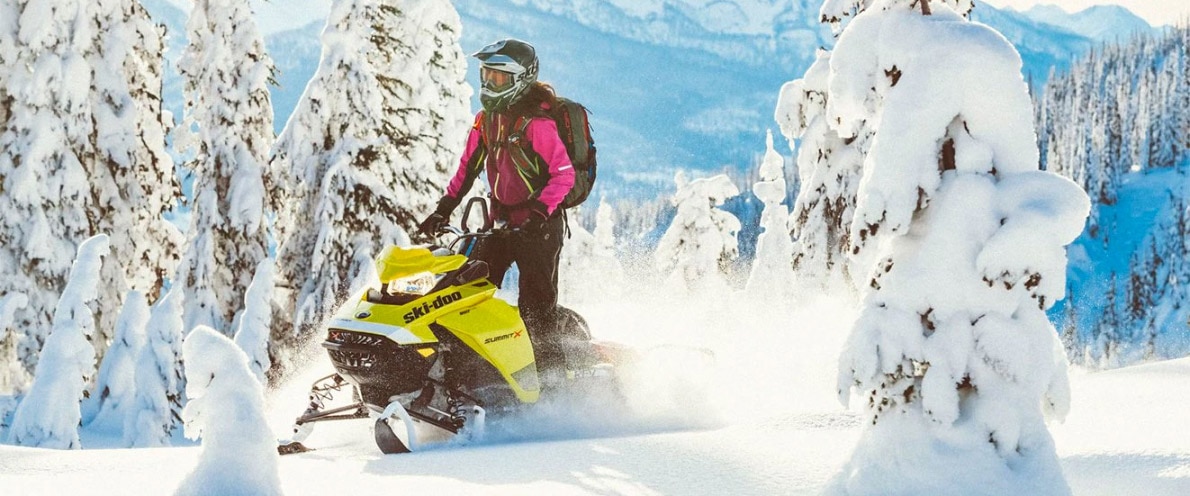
x,y
496,80
417,284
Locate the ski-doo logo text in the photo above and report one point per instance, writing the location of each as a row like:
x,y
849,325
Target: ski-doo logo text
x,y
425,308
502,337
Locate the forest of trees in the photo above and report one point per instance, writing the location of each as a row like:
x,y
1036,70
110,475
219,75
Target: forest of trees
x,y
1119,115
87,163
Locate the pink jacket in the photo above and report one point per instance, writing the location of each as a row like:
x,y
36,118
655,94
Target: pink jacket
x,y
511,188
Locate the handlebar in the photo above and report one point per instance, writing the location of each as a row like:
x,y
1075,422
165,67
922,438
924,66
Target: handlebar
x,y
461,235
490,228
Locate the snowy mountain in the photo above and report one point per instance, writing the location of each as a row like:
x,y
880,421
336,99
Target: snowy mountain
x,y
1042,46
1103,23
671,83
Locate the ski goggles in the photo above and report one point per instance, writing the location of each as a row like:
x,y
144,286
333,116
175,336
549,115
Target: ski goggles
x,y
496,80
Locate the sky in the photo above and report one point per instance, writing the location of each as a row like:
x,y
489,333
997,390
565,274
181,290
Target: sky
x,y
1157,12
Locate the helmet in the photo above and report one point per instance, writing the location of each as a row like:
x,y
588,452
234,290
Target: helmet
x,y
507,69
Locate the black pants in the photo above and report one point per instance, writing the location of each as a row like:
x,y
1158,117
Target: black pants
x,y
536,255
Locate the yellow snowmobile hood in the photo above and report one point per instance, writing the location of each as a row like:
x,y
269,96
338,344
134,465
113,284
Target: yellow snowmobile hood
x,y
396,262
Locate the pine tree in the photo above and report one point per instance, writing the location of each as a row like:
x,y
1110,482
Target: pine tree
x,y
226,73
156,412
828,168
952,306
253,334
115,387
11,373
1184,85
1107,331
10,12
132,180
695,250
368,150
45,154
226,409
1141,153
1164,132
49,415
772,269
606,247
576,272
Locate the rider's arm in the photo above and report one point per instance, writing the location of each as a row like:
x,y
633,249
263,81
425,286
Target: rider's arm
x,y
469,168
543,134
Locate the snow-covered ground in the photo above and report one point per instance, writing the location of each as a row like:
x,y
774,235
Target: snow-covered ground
x,y
774,427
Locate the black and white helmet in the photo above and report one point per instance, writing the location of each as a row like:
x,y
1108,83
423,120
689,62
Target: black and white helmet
x,y
508,68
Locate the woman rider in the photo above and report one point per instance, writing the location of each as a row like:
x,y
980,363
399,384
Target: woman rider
x,y
514,113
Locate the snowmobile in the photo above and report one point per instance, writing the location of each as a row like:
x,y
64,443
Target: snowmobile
x,y
433,346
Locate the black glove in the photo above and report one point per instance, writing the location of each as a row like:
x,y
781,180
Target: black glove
x,y
441,215
539,215
432,224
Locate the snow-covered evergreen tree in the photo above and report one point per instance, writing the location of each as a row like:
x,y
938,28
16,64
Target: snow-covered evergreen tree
x,y
694,252
772,269
12,375
828,168
604,253
588,270
132,180
156,411
952,354
226,409
45,153
11,372
99,167
49,416
115,387
226,72
253,333
1166,137
576,273
367,151
10,12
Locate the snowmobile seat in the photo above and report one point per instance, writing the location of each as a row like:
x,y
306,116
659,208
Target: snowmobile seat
x,y
472,270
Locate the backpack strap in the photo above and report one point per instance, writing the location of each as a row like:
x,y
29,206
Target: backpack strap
x,y
500,137
528,163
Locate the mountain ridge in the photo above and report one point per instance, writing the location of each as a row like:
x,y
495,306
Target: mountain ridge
x,y
673,84
1102,23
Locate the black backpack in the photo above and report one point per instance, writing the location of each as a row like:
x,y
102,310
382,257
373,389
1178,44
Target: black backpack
x,y
574,128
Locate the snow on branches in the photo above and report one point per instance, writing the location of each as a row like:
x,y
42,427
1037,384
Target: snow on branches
x,y
49,415
11,372
588,270
702,238
965,239
45,154
229,127
829,172
366,152
156,411
772,270
253,333
226,409
115,388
